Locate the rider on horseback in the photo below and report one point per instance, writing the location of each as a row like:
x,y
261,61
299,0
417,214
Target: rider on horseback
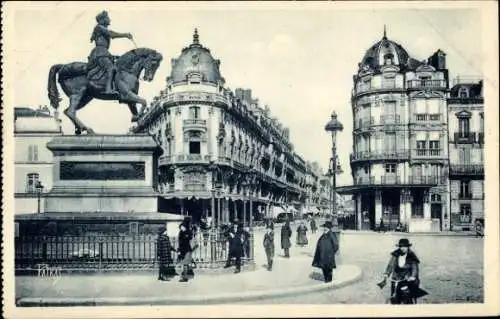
x,y
100,55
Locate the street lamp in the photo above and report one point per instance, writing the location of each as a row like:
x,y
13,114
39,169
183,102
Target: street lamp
x,y
39,190
333,126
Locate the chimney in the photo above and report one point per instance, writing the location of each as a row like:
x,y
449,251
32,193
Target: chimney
x,y
247,96
239,94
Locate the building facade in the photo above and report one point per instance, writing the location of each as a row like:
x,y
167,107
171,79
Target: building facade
x,y
466,142
33,161
400,161
223,155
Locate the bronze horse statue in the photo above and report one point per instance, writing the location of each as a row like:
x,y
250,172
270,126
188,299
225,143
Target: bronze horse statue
x,y
82,82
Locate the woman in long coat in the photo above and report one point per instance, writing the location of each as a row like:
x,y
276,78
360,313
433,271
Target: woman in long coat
x,y
164,253
186,236
302,235
313,225
324,256
286,233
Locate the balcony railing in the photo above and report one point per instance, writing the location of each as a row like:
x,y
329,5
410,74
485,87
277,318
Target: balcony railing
x,y
365,122
393,179
380,155
467,169
427,84
425,152
424,117
188,158
195,124
381,87
464,137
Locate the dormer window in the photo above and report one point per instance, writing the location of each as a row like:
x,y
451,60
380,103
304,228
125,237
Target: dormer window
x,y
463,93
389,59
194,78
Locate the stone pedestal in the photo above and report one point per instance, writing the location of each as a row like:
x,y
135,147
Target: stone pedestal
x,y
103,174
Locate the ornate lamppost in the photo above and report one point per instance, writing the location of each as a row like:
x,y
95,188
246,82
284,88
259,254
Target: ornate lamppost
x,y
333,126
39,190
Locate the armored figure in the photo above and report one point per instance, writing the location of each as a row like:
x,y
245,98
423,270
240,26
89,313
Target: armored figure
x,y
100,55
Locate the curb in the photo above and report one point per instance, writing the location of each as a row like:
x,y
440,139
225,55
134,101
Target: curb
x,y
188,300
444,234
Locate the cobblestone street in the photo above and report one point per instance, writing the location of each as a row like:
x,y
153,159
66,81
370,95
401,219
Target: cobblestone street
x,y
451,269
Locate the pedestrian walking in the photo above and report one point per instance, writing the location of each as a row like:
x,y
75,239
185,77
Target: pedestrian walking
x,y
302,235
186,248
403,266
324,256
314,227
381,227
286,233
164,251
269,246
235,239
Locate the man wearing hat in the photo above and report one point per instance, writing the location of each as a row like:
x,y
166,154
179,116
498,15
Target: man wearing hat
x,y
100,55
269,245
327,246
403,265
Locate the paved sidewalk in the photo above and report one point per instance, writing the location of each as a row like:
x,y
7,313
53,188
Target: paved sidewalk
x,y
289,277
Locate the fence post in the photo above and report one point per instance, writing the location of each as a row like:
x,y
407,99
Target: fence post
x,y
44,248
101,251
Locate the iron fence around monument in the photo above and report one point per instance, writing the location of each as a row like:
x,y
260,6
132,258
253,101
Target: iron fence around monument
x,y
111,252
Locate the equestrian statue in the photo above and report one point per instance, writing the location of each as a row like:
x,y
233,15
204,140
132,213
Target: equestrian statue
x,y
104,77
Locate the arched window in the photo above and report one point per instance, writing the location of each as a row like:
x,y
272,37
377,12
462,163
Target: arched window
x,y
31,182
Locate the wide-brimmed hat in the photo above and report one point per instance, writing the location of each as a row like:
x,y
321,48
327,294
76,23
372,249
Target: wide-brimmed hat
x,y
404,242
328,224
162,229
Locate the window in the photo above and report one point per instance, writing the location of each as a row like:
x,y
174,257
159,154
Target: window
x,y
390,168
390,142
421,117
421,148
133,228
367,168
434,117
463,93
435,198
194,112
465,213
464,155
388,59
194,147
464,189
463,127
33,153
31,182
434,148
424,80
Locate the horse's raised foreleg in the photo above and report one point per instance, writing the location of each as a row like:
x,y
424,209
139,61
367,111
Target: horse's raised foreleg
x,y
131,99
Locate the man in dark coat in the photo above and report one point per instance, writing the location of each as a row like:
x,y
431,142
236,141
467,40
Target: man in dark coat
x,y
269,246
164,253
327,246
235,239
185,248
286,233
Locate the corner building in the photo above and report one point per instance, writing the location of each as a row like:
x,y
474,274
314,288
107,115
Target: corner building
x,y
399,162
223,155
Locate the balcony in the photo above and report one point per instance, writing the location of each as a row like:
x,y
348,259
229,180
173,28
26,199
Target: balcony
x,y
467,169
424,117
364,123
179,159
426,84
195,125
464,138
384,86
427,153
190,97
380,155
396,180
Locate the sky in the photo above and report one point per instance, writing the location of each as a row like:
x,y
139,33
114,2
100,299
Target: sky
x,y
298,59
